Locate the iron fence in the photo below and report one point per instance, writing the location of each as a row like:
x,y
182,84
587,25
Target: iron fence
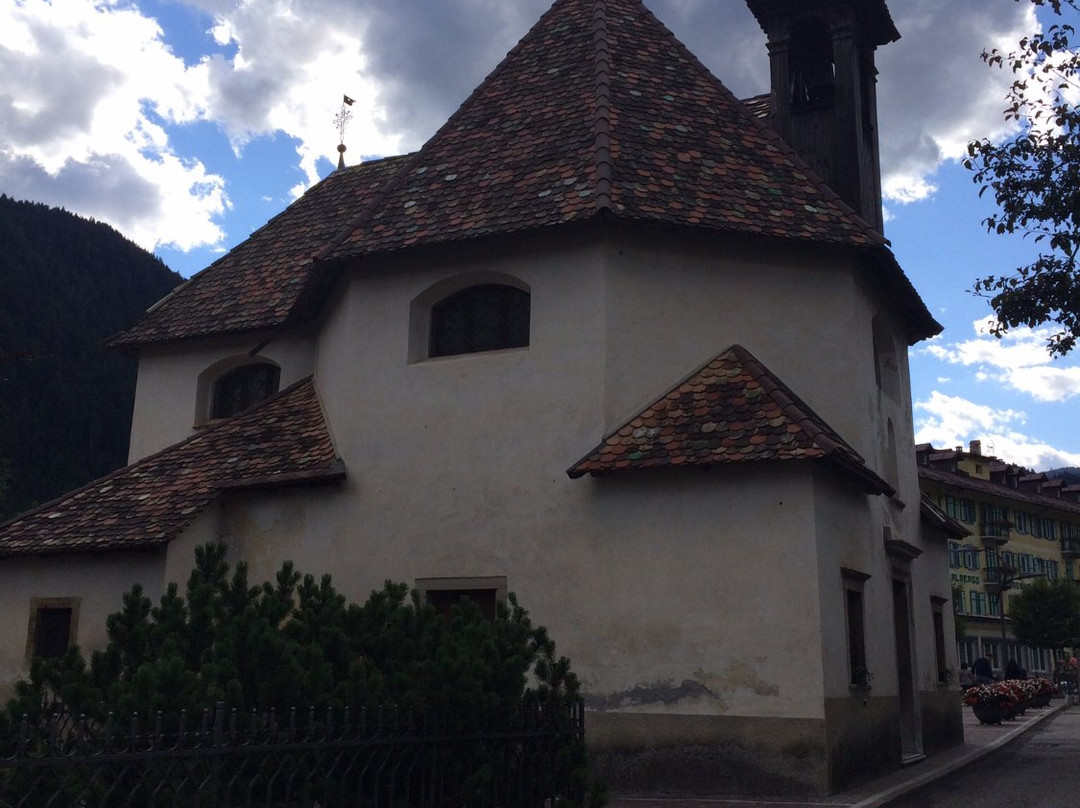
x,y
221,759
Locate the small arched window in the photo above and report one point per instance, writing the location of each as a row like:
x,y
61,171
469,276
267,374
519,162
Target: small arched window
x,y
886,362
243,387
487,317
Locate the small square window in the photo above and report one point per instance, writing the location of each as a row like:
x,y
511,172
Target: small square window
x,y
53,626
487,592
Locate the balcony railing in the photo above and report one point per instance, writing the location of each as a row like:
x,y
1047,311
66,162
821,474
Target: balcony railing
x,y
996,532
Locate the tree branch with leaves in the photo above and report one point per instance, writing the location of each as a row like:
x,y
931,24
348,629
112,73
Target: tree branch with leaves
x,y
1034,177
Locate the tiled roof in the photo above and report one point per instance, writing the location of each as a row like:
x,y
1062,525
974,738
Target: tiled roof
x,y
932,515
282,441
600,109
760,106
733,410
258,283
964,482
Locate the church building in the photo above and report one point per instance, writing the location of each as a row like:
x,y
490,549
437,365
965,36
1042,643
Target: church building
x,y
613,340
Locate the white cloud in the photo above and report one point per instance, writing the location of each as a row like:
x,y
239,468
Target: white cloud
x,y
949,421
91,94
935,93
84,89
289,74
1017,360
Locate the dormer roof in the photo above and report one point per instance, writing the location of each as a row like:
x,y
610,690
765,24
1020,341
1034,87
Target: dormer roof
x,y
732,410
282,442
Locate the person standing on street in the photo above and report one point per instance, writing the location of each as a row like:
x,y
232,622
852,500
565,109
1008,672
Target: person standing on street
x,y
983,670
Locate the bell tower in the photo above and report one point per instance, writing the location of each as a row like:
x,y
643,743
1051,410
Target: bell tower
x,y
824,94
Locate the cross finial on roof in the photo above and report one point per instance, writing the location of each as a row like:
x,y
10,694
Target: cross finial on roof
x,y
341,120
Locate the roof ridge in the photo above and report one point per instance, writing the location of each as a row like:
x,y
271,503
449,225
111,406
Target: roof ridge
x,y
400,175
718,414
602,116
791,405
199,276
792,154
964,481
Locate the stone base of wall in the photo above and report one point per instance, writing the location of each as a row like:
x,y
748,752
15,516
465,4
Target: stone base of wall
x,y
942,719
700,754
863,739
859,740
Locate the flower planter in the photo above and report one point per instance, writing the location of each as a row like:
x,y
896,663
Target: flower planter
x,y
988,713
1042,700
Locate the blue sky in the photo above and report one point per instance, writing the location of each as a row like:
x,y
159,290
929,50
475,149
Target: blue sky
x,y
186,125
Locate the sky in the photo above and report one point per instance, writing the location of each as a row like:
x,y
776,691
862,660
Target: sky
x,y
187,125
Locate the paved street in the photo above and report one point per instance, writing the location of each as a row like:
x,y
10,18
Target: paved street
x,y
1040,769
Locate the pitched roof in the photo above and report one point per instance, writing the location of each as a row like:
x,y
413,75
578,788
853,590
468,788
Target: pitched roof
x,y
937,519
974,484
600,109
258,283
282,441
732,410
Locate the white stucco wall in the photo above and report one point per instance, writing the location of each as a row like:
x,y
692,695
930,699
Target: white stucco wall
x,y
98,580
800,312
685,592
681,592
670,591
166,393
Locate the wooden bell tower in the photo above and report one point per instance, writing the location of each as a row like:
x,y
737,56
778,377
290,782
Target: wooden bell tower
x,y
824,89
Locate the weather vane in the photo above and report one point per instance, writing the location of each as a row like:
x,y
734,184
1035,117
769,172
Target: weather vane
x,y
341,120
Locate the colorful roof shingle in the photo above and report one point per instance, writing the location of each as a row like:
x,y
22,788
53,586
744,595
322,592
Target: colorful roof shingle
x,y
283,441
936,518
259,283
599,111
733,410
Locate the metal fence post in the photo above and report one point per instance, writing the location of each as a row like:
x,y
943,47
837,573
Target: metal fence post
x,y
215,760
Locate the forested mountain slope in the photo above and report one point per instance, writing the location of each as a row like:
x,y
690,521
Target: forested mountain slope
x,y
66,283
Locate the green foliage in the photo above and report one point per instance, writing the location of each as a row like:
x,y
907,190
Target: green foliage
x,y
1046,614
296,643
66,283
1035,179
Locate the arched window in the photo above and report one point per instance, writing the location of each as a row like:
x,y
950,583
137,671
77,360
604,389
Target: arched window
x,y
886,362
487,317
243,387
